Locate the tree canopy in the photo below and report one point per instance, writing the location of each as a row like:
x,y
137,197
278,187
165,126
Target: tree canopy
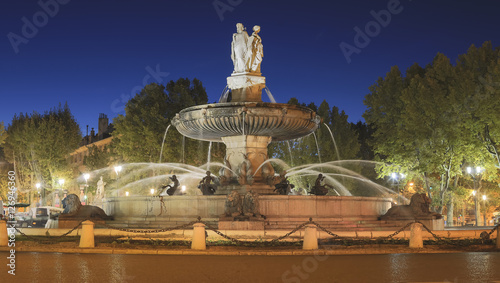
x,y
38,146
433,122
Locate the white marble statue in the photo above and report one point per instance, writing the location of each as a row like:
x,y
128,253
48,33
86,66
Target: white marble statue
x,y
239,49
99,193
255,51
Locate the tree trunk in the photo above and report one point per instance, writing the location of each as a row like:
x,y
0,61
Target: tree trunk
x,y
449,217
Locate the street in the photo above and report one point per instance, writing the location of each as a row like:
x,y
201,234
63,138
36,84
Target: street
x,y
57,267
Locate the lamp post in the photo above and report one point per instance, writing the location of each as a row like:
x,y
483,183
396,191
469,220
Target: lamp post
x,y
475,172
484,208
395,182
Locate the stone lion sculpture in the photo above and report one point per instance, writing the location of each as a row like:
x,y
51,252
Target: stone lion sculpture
x,y
417,209
251,204
74,208
233,205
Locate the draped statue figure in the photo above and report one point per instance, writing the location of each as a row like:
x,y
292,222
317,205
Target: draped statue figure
x,y
246,52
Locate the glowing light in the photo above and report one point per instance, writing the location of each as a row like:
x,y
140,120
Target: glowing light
x,y
118,169
38,185
469,170
411,184
393,175
126,194
183,188
484,197
152,191
86,176
474,192
61,182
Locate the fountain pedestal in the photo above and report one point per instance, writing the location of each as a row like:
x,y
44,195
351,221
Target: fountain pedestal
x,y
245,155
246,87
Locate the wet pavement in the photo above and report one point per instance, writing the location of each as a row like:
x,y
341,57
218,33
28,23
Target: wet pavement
x,y
58,267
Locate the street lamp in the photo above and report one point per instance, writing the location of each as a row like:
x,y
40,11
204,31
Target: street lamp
x,y
395,182
473,172
152,191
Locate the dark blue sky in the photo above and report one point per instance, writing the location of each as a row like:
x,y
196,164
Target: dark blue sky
x,y
93,53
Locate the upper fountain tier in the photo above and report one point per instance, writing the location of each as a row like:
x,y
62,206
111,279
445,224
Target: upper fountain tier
x,y
246,114
211,122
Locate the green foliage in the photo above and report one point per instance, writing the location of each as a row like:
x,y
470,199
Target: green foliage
x,y
428,124
97,158
138,135
38,146
3,134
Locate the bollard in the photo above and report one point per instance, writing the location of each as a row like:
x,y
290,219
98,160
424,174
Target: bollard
x,y
199,241
416,241
87,237
310,238
498,237
4,242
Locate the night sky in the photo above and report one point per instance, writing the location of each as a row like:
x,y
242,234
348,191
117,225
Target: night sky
x,y
95,55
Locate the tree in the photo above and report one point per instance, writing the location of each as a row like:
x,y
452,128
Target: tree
x,y
3,134
38,146
138,135
97,158
422,125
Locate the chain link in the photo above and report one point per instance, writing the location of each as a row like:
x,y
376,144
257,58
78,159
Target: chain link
x,y
494,228
52,238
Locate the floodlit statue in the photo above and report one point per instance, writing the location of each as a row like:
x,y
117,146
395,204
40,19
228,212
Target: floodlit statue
x,y
99,194
74,209
419,208
251,204
239,49
206,186
233,206
255,51
170,189
283,187
318,189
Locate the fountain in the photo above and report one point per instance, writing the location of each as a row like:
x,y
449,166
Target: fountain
x,y
246,125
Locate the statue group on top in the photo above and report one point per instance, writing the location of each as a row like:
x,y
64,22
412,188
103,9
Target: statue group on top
x,y
246,51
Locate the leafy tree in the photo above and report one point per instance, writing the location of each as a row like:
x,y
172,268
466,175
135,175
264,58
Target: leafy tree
x,y
97,158
139,134
423,126
3,135
38,145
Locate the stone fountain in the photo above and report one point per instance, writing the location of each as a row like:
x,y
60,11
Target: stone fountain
x,y
245,124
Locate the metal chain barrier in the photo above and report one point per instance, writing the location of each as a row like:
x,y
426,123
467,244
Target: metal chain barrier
x,y
52,238
147,231
493,230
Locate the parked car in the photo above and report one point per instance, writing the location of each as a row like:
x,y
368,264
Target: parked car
x,y
37,216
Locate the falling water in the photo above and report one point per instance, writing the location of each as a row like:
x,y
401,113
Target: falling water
x,y
209,155
317,147
290,151
270,95
183,147
334,143
163,142
224,95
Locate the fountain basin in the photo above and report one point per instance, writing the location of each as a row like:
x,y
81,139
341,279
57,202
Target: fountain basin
x,y
212,122
281,212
